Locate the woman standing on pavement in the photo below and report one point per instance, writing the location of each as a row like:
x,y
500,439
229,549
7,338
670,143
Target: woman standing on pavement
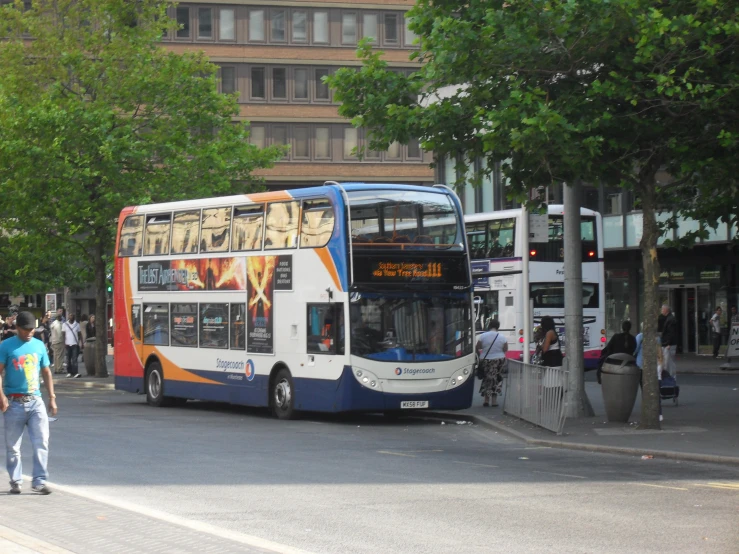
x,y
492,347
89,347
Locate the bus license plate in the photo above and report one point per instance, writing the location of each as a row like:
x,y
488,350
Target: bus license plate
x,y
411,404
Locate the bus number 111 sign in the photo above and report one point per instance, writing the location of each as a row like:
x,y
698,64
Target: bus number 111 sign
x,y
408,270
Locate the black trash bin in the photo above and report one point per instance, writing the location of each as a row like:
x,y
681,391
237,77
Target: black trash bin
x,y
620,382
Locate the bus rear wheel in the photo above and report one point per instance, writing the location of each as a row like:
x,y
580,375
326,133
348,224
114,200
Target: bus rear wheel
x,y
282,395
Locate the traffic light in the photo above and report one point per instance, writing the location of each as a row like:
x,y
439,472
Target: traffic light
x,y
110,288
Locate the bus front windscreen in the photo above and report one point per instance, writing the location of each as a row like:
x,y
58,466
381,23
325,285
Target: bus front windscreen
x,y
395,220
410,327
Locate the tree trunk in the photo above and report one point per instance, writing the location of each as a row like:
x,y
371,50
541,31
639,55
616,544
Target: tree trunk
x,y
650,263
101,312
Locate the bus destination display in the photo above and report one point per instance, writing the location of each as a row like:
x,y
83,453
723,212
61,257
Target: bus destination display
x,y
371,269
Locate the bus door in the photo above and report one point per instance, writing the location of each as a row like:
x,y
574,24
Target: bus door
x,y
136,314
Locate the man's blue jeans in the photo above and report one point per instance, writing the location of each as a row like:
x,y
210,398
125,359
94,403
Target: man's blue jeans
x,y
73,351
33,415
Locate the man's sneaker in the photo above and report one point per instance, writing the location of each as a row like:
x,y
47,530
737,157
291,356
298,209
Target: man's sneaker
x,y
15,488
41,489
69,375
77,375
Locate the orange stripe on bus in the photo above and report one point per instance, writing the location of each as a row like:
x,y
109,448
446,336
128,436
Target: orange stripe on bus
x,y
173,372
269,196
328,262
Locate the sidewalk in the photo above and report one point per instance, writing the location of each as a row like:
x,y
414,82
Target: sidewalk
x,y
703,426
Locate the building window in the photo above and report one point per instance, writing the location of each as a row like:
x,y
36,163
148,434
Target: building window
x,y
350,142
256,25
205,23
323,143
414,149
277,27
410,36
300,143
256,136
349,28
393,151
322,92
279,83
300,79
369,26
391,28
320,27
183,22
227,24
300,26
279,135
257,83
228,80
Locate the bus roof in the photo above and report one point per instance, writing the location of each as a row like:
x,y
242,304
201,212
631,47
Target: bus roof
x,y
277,195
553,209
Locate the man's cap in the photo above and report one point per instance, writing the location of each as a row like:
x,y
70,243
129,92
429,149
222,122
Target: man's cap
x,y
26,320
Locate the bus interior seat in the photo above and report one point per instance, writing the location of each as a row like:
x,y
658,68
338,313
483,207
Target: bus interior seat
x,y
401,239
382,240
423,239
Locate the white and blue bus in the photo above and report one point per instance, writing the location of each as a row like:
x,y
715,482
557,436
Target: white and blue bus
x,y
497,247
337,298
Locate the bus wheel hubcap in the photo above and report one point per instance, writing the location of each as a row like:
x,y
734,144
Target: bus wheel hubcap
x,y
283,394
155,384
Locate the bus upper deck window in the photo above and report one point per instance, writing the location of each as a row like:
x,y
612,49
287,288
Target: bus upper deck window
x,y
282,225
215,228
248,228
317,225
185,232
156,240
132,234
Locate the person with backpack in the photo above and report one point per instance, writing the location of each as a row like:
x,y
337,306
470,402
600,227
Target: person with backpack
x,y
620,343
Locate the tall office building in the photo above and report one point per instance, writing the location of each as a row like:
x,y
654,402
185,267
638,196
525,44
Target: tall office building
x,y
274,54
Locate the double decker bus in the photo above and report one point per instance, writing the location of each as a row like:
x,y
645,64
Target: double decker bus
x,y
336,298
497,247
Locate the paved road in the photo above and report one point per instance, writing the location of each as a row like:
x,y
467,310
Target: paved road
x,y
213,477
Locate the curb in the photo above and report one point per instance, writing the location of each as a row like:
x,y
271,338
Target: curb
x,y
77,384
587,447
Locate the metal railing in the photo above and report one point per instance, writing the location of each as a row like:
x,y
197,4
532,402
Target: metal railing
x,y
537,394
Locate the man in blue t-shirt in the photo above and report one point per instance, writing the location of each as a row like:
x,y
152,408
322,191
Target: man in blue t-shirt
x,y
22,360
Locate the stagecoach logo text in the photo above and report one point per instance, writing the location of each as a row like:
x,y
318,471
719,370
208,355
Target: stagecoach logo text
x,y
414,370
228,364
152,275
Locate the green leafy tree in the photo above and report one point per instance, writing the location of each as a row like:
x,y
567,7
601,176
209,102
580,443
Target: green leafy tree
x,y
95,116
558,91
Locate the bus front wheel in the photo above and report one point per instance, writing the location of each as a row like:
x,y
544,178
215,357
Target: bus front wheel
x,y
155,388
283,395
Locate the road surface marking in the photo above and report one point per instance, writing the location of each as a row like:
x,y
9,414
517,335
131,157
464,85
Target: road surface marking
x,y
659,486
200,526
421,451
728,485
717,486
560,474
474,464
395,453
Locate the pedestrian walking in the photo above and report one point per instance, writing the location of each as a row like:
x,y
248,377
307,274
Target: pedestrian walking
x,y
23,360
669,340
72,344
56,331
42,331
639,355
493,347
620,343
89,347
734,316
715,323
551,356
9,328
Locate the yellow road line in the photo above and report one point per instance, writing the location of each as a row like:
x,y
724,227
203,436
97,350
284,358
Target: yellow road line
x,y
716,486
659,486
729,485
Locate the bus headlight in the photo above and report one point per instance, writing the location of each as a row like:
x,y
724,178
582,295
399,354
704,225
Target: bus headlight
x,y
367,379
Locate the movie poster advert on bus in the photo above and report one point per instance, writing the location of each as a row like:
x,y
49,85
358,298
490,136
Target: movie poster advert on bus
x,y
260,271
284,273
193,274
